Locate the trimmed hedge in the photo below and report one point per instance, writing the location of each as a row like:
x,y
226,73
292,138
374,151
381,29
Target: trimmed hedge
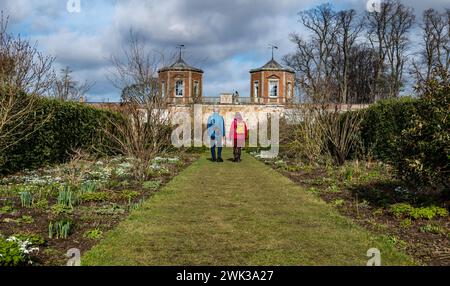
x,y
71,126
413,135
383,123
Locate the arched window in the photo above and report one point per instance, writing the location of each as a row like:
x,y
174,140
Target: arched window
x,y
179,88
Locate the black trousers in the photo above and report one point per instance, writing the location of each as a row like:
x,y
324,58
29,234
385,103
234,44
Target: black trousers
x,y
237,151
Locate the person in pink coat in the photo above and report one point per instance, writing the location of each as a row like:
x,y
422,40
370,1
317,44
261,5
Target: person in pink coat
x,y
238,134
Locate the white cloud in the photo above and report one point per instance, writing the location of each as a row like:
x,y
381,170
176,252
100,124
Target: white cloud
x,y
225,38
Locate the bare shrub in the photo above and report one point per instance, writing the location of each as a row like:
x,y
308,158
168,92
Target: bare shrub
x,y
305,138
68,89
25,73
145,130
78,166
22,65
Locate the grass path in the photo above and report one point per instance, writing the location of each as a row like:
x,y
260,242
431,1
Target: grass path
x,y
237,214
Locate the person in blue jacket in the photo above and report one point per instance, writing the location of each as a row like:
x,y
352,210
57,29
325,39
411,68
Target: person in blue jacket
x,y
216,131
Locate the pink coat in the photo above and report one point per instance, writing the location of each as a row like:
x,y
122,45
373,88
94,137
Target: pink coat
x,y
238,132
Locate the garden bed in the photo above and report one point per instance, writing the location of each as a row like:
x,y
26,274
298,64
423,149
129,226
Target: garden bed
x,y
51,210
415,220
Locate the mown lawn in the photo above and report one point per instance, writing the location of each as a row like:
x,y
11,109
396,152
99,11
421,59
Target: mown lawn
x,y
237,214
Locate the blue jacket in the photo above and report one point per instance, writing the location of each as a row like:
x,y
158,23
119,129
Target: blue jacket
x,y
216,125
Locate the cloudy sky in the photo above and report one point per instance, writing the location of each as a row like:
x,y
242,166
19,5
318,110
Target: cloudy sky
x,y
226,38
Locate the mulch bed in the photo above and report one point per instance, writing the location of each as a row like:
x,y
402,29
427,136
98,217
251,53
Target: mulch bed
x,y
357,202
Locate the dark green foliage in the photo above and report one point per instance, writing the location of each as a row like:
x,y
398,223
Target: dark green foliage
x,y
10,254
383,123
422,154
413,135
71,126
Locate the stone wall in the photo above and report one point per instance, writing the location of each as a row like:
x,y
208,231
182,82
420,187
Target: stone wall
x,y
250,113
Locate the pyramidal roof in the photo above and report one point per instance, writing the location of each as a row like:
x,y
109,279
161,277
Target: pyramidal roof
x,y
273,65
180,65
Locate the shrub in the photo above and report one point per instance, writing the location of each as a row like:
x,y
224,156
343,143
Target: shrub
x,y
413,135
71,126
303,140
383,123
341,132
422,151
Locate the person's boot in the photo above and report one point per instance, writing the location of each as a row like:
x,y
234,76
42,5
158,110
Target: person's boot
x,y
220,160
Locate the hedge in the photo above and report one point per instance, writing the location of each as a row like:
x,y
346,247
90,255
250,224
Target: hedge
x,y
70,126
422,156
383,123
413,135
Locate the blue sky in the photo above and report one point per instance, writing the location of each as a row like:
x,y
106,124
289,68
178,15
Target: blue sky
x,y
224,38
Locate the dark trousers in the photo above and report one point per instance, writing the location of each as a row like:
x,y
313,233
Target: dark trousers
x,y
216,142
237,151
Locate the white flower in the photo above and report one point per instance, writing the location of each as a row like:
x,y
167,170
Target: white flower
x,y
401,190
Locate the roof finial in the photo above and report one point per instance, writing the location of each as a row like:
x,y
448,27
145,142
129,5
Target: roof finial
x,y
273,48
181,47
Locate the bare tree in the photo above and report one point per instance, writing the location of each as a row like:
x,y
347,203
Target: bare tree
x,y
435,48
348,30
311,60
388,34
362,74
145,131
25,73
66,88
323,61
22,65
